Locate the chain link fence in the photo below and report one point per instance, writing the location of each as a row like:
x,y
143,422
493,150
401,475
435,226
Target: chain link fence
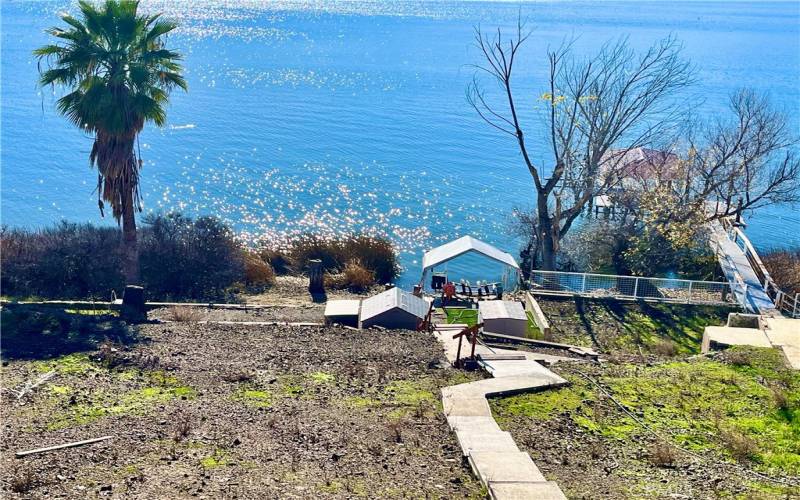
x,y
632,287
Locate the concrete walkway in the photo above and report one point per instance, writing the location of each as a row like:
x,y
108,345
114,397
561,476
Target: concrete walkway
x,y
507,472
733,261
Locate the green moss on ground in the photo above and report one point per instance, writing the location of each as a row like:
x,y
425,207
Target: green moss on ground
x,y
661,328
218,458
744,406
252,396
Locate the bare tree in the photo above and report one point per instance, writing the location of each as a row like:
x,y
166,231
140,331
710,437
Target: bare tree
x,y
613,100
743,163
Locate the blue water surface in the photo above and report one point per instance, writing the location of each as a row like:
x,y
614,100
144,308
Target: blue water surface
x,y
351,116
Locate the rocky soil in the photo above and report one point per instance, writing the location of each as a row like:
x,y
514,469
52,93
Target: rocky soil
x,y
232,411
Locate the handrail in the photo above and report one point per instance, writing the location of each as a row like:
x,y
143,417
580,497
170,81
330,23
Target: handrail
x,y
781,299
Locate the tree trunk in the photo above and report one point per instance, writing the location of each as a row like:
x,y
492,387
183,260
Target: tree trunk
x,y
130,249
548,251
547,243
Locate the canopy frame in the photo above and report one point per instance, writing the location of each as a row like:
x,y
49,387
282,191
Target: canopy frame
x,y
443,254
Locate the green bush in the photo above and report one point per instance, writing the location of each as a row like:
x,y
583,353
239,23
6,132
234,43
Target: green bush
x,y
181,257
67,260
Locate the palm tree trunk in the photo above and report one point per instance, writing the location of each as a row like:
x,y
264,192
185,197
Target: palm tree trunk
x,y
130,249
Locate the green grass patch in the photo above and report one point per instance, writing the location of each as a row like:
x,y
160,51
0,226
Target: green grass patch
x,y
217,459
103,404
70,364
461,315
709,406
321,377
408,393
533,331
253,397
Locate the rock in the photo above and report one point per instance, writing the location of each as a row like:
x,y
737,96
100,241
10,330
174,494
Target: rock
x,y
106,487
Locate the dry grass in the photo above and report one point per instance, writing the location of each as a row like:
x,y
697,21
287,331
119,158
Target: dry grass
x,y
740,446
257,272
662,455
182,429
780,397
784,267
665,348
357,277
184,314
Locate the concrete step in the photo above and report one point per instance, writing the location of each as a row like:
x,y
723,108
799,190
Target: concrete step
x,y
466,407
493,466
546,490
491,441
478,425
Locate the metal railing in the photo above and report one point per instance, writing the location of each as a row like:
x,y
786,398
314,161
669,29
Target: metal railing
x,y
785,303
633,287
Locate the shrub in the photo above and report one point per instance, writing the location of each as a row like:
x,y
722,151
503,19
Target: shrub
x,y
664,348
184,314
784,267
64,261
740,446
662,455
182,258
373,253
357,276
279,261
257,272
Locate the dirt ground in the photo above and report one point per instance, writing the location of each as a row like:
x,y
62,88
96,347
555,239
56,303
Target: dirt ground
x,y
231,411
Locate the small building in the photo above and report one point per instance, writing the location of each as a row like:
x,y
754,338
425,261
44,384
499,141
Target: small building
x,y
394,308
342,312
506,317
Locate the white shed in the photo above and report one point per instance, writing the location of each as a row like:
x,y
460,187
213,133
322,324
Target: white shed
x,y
393,308
344,312
506,317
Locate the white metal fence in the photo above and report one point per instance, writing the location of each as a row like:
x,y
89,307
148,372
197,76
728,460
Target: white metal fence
x,y
632,287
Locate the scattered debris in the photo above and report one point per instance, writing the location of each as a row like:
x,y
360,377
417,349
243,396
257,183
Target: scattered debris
x,y
31,385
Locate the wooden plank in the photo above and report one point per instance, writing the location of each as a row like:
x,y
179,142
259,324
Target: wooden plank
x,y
538,314
541,343
73,444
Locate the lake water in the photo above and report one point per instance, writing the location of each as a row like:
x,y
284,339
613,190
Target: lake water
x,y
310,116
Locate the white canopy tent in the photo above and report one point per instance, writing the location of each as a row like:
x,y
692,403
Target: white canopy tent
x,y
439,256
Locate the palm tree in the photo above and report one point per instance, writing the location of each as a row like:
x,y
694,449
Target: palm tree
x,y
117,75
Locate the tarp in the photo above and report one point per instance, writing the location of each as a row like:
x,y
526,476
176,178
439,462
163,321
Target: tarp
x,y
449,251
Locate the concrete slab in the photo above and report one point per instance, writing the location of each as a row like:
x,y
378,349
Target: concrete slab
x,y
547,490
513,368
724,336
783,331
492,441
792,353
493,466
472,407
480,425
